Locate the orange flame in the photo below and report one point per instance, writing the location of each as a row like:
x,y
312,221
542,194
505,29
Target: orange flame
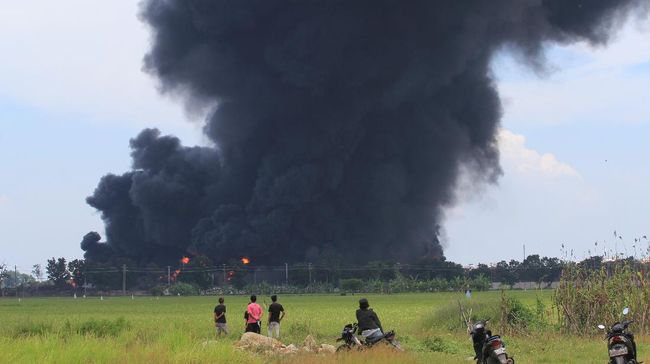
x,y
175,274
185,260
245,260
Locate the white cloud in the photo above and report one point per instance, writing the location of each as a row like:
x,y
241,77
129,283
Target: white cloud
x,y
516,156
84,59
604,84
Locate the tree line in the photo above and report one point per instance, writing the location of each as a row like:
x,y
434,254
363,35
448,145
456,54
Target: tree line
x,y
200,272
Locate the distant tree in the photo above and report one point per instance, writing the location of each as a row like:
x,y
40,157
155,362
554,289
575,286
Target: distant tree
x,y
4,275
77,270
18,279
531,269
481,270
552,269
505,274
37,271
379,270
103,276
195,272
592,263
351,284
57,272
480,283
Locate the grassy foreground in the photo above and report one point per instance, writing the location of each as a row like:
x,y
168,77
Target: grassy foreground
x,y
180,330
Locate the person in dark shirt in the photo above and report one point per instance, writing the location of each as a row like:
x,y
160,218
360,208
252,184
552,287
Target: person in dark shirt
x,y
276,314
220,318
369,324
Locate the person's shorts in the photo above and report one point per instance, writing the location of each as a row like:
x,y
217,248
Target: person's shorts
x,y
253,327
222,327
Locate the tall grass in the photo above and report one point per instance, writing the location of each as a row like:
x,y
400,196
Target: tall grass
x,y
587,297
181,329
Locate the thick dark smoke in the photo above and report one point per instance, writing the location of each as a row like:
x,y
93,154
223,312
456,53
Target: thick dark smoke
x,y
340,126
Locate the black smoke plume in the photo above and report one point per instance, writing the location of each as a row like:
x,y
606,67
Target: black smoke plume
x,y
340,126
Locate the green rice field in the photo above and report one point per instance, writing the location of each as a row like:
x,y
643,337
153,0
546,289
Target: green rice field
x,y
181,329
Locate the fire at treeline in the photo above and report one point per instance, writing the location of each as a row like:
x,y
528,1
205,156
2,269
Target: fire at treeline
x,y
197,275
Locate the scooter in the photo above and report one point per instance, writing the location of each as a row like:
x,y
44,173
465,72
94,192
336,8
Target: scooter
x,y
620,343
489,349
351,341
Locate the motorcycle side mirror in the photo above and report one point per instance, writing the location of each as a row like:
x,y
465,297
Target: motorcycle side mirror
x,y
601,326
626,310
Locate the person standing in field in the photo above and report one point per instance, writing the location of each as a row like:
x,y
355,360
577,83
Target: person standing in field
x,y
220,318
253,315
276,314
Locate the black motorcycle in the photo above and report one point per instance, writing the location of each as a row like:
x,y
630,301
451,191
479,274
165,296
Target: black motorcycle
x,y
351,341
620,342
489,349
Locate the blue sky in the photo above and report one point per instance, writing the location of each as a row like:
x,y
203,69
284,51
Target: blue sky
x,y
574,142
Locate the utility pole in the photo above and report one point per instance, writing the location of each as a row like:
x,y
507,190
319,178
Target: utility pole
x,y
169,276
524,253
224,275
85,284
16,279
309,267
286,273
124,279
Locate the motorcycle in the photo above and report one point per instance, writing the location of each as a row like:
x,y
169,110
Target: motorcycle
x,y
620,343
351,341
489,349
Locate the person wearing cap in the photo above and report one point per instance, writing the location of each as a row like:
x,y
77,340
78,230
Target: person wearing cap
x,y
369,324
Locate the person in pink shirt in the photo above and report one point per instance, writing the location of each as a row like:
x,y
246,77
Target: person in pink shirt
x,y
253,316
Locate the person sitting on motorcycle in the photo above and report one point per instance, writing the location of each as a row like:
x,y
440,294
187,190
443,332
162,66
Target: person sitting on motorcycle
x,y
369,324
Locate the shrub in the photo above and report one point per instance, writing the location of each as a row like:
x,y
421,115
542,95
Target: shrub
x,y
183,289
480,283
159,291
351,284
515,316
33,329
98,328
439,345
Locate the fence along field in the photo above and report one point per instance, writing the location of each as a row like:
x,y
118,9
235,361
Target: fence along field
x,y
180,329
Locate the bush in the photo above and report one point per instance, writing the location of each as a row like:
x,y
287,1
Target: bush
x,y
33,329
480,283
98,328
439,345
159,291
351,284
515,315
183,289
